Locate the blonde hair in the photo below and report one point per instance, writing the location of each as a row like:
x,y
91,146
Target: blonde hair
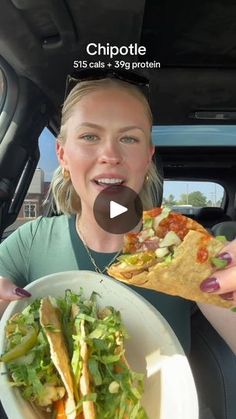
x,y
66,200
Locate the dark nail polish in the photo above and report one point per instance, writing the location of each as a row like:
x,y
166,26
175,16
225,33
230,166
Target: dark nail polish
x,y
210,285
21,292
225,256
227,296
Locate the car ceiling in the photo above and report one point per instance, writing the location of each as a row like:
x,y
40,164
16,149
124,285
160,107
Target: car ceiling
x,y
195,43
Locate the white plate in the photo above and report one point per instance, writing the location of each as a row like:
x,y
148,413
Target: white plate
x,y
152,348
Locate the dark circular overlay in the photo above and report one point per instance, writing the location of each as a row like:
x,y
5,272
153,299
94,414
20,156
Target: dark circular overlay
x,y
109,205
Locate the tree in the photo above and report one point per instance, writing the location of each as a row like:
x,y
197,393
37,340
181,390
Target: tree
x,y
196,199
184,199
170,201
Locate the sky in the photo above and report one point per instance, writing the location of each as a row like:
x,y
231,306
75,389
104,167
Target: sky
x,y
48,159
225,135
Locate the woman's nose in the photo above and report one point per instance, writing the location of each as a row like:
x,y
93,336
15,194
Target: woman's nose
x,y
110,153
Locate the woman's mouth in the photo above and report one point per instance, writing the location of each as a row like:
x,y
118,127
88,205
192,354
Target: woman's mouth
x,y
103,183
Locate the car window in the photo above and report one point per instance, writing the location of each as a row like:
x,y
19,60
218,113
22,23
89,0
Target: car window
x,y
33,203
194,135
184,195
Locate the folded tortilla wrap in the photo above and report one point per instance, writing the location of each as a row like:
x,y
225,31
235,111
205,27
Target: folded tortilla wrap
x,y
37,358
186,264
50,315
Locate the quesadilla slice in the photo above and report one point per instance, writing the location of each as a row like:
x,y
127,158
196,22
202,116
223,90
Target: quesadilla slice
x,y
171,254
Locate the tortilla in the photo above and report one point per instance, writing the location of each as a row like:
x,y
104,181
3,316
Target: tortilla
x,y
73,381
84,382
182,275
88,406
49,315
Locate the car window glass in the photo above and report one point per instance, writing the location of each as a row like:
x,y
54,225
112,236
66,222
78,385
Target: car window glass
x,y
33,203
194,135
184,195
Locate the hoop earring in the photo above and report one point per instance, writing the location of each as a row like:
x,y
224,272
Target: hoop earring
x,y
65,174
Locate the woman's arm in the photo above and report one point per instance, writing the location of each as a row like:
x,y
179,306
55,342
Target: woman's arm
x,y
223,282
224,322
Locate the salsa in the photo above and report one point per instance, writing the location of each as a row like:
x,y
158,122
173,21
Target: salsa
x,y
130,242
202,255
154,212
174,222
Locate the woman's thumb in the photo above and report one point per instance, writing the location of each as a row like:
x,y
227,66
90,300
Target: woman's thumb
x,y
9,291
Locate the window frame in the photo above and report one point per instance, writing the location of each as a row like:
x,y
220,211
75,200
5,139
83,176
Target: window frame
x,y
31,204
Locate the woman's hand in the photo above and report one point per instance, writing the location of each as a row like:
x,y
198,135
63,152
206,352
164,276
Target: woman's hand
x,y
223,281
10,292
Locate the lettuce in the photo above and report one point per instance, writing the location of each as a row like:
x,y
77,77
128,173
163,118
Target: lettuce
x,y
219,263
105,334
34,370
115,389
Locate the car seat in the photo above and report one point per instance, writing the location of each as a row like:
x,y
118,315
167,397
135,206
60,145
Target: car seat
x,y
227,229
209,216
214,370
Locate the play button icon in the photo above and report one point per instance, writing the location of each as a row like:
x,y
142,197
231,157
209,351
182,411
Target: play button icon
x,y
118,209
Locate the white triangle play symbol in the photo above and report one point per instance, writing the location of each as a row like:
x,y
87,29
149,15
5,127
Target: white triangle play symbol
x,y
116,209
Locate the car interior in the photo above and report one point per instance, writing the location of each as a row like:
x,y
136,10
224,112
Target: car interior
x,y
195,85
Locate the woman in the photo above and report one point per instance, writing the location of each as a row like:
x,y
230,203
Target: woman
x,y
105,137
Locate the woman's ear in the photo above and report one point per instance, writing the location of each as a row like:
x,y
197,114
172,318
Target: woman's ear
x,y
151,152
60,153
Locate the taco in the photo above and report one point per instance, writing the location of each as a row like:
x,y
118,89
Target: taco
x,y
37,358
67,358
171,254
105,385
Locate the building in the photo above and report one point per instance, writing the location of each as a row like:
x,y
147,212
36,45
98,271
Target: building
x,y
33,203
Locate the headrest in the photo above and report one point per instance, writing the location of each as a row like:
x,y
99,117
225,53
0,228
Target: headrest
x,y
158,162
211,214
226,228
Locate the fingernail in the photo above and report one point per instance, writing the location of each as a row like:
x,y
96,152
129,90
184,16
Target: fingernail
x,y
210,285
227,296
21,292
225,256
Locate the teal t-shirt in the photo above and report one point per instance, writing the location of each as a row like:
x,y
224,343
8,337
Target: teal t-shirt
x,y
49,245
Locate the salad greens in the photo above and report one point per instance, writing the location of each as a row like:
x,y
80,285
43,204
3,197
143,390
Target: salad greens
x,y
115,389
28,358
219,263
93,336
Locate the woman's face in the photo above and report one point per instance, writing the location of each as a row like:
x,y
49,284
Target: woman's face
x,y
107,140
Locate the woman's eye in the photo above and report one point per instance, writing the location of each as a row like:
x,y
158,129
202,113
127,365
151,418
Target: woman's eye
x,y
89,137
129,140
